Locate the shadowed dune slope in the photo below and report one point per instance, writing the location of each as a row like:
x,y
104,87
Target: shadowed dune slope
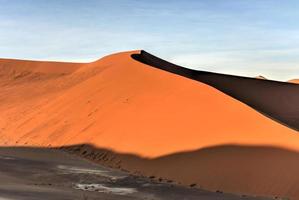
x,y
122,104
259,170
278,100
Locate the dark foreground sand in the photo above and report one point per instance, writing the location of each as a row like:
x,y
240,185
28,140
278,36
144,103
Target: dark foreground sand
x,y
31,173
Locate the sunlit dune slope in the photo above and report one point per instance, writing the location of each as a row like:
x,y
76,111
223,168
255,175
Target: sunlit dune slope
x,y
294,81
121,104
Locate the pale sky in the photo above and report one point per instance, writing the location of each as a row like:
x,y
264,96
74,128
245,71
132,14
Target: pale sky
x,y
242,37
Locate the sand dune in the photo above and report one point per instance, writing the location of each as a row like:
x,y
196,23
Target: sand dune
x,y
294,81
122,104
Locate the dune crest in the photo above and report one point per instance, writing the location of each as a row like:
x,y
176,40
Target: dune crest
x,y
121,104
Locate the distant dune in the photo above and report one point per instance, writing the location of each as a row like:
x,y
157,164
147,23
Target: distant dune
x,y
122,105
294,81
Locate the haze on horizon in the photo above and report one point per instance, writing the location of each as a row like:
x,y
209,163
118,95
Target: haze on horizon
x,y
250,37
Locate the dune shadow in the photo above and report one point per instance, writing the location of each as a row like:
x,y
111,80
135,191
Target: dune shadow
x,y
251,170
274,99
48,173
255,170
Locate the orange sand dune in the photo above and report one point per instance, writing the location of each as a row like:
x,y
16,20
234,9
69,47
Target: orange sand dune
x,y
121,104
294,81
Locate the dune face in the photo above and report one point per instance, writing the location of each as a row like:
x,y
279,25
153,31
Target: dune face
x,y
129,107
